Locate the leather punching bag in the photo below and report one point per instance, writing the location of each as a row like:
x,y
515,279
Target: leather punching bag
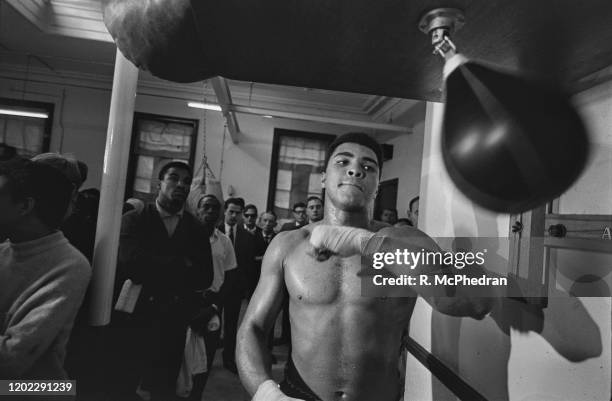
x,y
509,144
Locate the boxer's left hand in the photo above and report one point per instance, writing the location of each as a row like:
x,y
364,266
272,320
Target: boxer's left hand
x,y
340,240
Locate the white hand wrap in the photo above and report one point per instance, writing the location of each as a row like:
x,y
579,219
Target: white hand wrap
x,y
268,391
344,241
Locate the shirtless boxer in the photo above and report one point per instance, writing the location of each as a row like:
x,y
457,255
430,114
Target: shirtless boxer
x,y
345,346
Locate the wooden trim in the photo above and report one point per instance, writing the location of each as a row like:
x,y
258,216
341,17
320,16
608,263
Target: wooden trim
x,y
447,376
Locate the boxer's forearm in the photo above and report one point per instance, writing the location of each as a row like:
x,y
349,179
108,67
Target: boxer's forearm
x,y
252,356
455,300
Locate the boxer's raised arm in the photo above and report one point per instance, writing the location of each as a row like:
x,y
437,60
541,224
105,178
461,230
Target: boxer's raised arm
x,y
451,300
252,355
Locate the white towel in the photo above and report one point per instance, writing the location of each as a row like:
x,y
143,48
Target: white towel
x,y
194,362
126,302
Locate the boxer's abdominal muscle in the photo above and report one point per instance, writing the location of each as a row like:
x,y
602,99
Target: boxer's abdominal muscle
x,y
345,346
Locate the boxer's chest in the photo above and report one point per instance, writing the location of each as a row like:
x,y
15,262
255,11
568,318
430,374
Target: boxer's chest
x,y
322,281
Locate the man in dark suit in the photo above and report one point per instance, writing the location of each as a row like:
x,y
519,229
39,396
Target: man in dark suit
x,y
299,214
267,220
165,249
236,282
250,220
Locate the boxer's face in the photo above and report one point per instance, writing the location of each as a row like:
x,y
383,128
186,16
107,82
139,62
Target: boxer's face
x,y
351,177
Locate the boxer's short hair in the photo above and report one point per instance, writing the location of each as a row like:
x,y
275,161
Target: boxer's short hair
x,y
358,138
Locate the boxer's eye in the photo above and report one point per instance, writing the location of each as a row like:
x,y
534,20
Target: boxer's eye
x,y
369,168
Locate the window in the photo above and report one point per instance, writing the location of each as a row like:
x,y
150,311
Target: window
x,y
29,135
157,140
295,169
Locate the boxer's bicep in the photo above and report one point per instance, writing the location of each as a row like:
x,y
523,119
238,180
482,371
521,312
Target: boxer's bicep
x,y
267,299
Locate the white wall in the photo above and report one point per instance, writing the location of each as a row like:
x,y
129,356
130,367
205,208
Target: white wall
x,y
555,371
568,358
406,166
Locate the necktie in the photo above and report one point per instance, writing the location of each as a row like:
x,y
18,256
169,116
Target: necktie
x,y
231,235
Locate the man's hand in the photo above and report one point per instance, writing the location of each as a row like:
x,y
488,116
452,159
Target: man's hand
x,y
269,391
340,240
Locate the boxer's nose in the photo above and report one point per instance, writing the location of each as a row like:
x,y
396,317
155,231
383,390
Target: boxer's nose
x,y
353,172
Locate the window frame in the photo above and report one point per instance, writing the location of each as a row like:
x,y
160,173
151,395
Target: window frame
x,y
31,104
274,160
132,163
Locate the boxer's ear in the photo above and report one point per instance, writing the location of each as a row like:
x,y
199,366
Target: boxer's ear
x,y
322,180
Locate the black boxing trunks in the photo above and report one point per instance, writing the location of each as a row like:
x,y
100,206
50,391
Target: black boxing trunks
x,y
294,385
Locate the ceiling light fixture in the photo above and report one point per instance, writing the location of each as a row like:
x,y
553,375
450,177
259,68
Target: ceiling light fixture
x,y
206,106
24,113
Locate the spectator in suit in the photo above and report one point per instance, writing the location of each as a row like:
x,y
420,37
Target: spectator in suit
x,y
236,282
314,209
267,221
164,249
300,218
250,220
224,261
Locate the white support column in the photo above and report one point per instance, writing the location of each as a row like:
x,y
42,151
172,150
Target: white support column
x,y
116,156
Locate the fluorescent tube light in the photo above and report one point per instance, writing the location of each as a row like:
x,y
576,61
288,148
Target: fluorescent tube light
x,y
207,106
23,113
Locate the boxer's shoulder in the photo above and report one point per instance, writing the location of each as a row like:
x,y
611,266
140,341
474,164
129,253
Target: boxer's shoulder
x,y
285,241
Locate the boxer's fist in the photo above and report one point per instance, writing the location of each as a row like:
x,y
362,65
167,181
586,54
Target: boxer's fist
x,y
340,240
269,391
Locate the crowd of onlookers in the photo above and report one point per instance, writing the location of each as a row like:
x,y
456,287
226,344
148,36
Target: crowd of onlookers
x,y
183,274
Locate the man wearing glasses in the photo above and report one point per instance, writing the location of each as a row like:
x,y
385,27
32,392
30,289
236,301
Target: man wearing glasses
x,y
299,214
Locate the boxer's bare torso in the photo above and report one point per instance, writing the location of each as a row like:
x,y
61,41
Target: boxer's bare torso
x,y
345,346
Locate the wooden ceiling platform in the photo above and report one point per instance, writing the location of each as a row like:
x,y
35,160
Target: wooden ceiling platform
x,y
363,46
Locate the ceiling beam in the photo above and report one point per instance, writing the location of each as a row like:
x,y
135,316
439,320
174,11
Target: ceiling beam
x,y
224,97
321,119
